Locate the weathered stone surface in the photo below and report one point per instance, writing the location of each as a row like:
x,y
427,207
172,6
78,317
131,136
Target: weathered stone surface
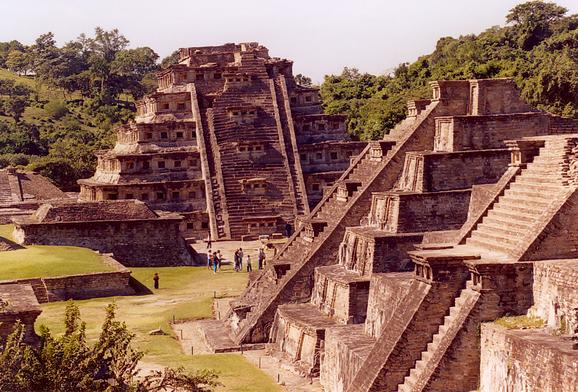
x,y
222,117
526,361
130,230
18,303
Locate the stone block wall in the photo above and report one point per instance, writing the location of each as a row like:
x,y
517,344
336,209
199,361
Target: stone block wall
x,y
556,294
526,361
386,293
419,212
459,133
133,242
435,172
81,286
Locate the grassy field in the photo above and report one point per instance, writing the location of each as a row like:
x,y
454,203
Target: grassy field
x,y
47,261
185,293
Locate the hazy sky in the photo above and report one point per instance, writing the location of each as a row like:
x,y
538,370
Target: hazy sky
x,y
320,36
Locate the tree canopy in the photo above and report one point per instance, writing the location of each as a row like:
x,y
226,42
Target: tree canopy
x,y
538,47
70,363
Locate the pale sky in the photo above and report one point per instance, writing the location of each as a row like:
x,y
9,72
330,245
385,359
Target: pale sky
x,y
320,36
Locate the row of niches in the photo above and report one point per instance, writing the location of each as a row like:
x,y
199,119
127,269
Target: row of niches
x,y
157,196
243,116
324,156
254,186
140,165
168,136
149,106
319,126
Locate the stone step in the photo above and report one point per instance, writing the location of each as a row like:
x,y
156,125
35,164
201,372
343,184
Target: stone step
x,y
488,234
524,205
507,214
538,188
523,193
507,228
488,245
531,178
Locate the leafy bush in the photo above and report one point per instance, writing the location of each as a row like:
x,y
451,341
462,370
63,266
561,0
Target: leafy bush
x,y
56,109
70,363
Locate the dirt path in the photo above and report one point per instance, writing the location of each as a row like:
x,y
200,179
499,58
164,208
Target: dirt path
x,y
192,338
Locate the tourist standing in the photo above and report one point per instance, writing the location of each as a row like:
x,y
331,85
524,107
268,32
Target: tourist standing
x,y
216,262
240,259
261,258
209,260
219,258
236,260
249,267
209,242
156,280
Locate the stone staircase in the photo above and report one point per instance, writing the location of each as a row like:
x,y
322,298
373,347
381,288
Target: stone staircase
x,y
213,160
424,368
375,169
292,152
525,204
5,189
284,190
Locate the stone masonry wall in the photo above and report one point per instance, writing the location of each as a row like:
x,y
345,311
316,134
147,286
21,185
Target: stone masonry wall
x,y
556,294
435,171
85,286
419,212
525,361
134,243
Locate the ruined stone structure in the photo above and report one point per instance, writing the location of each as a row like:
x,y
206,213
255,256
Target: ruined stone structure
x,y
458,217
21,192
229,141
82,286
18,303
129,229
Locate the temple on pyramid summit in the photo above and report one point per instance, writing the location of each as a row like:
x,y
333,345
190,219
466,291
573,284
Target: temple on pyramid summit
x,y
230,142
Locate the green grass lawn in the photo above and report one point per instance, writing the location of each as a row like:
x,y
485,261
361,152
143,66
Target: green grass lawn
x,y
186,293
47,261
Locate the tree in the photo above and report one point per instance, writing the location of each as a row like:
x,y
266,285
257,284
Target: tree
x,y
69,363
303,80
14,98
171,59
533,20
17,61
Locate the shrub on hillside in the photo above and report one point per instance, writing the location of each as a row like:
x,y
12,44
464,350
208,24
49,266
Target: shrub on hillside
x,y
56,109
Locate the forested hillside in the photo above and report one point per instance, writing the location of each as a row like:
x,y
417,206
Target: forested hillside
x,y
538,47
58,105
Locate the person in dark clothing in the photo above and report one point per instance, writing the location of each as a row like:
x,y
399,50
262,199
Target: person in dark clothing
x,y
249,267
156,280
216,262
236,261
261,258
288,230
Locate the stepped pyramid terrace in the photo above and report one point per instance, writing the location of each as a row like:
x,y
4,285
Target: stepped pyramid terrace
x,y
462,216
230,142
21,192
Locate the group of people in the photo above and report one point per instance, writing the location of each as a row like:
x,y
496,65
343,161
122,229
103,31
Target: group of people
x,y
238,260
214,260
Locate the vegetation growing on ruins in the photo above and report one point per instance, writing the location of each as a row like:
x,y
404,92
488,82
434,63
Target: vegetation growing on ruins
x,y
538,47
520,322
185,292
68,362
58,105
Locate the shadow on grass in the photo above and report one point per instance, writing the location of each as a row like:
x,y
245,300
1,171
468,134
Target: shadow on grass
x,y
138,287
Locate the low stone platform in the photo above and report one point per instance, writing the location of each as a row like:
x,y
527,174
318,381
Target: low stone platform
x,y
346,347
215,336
